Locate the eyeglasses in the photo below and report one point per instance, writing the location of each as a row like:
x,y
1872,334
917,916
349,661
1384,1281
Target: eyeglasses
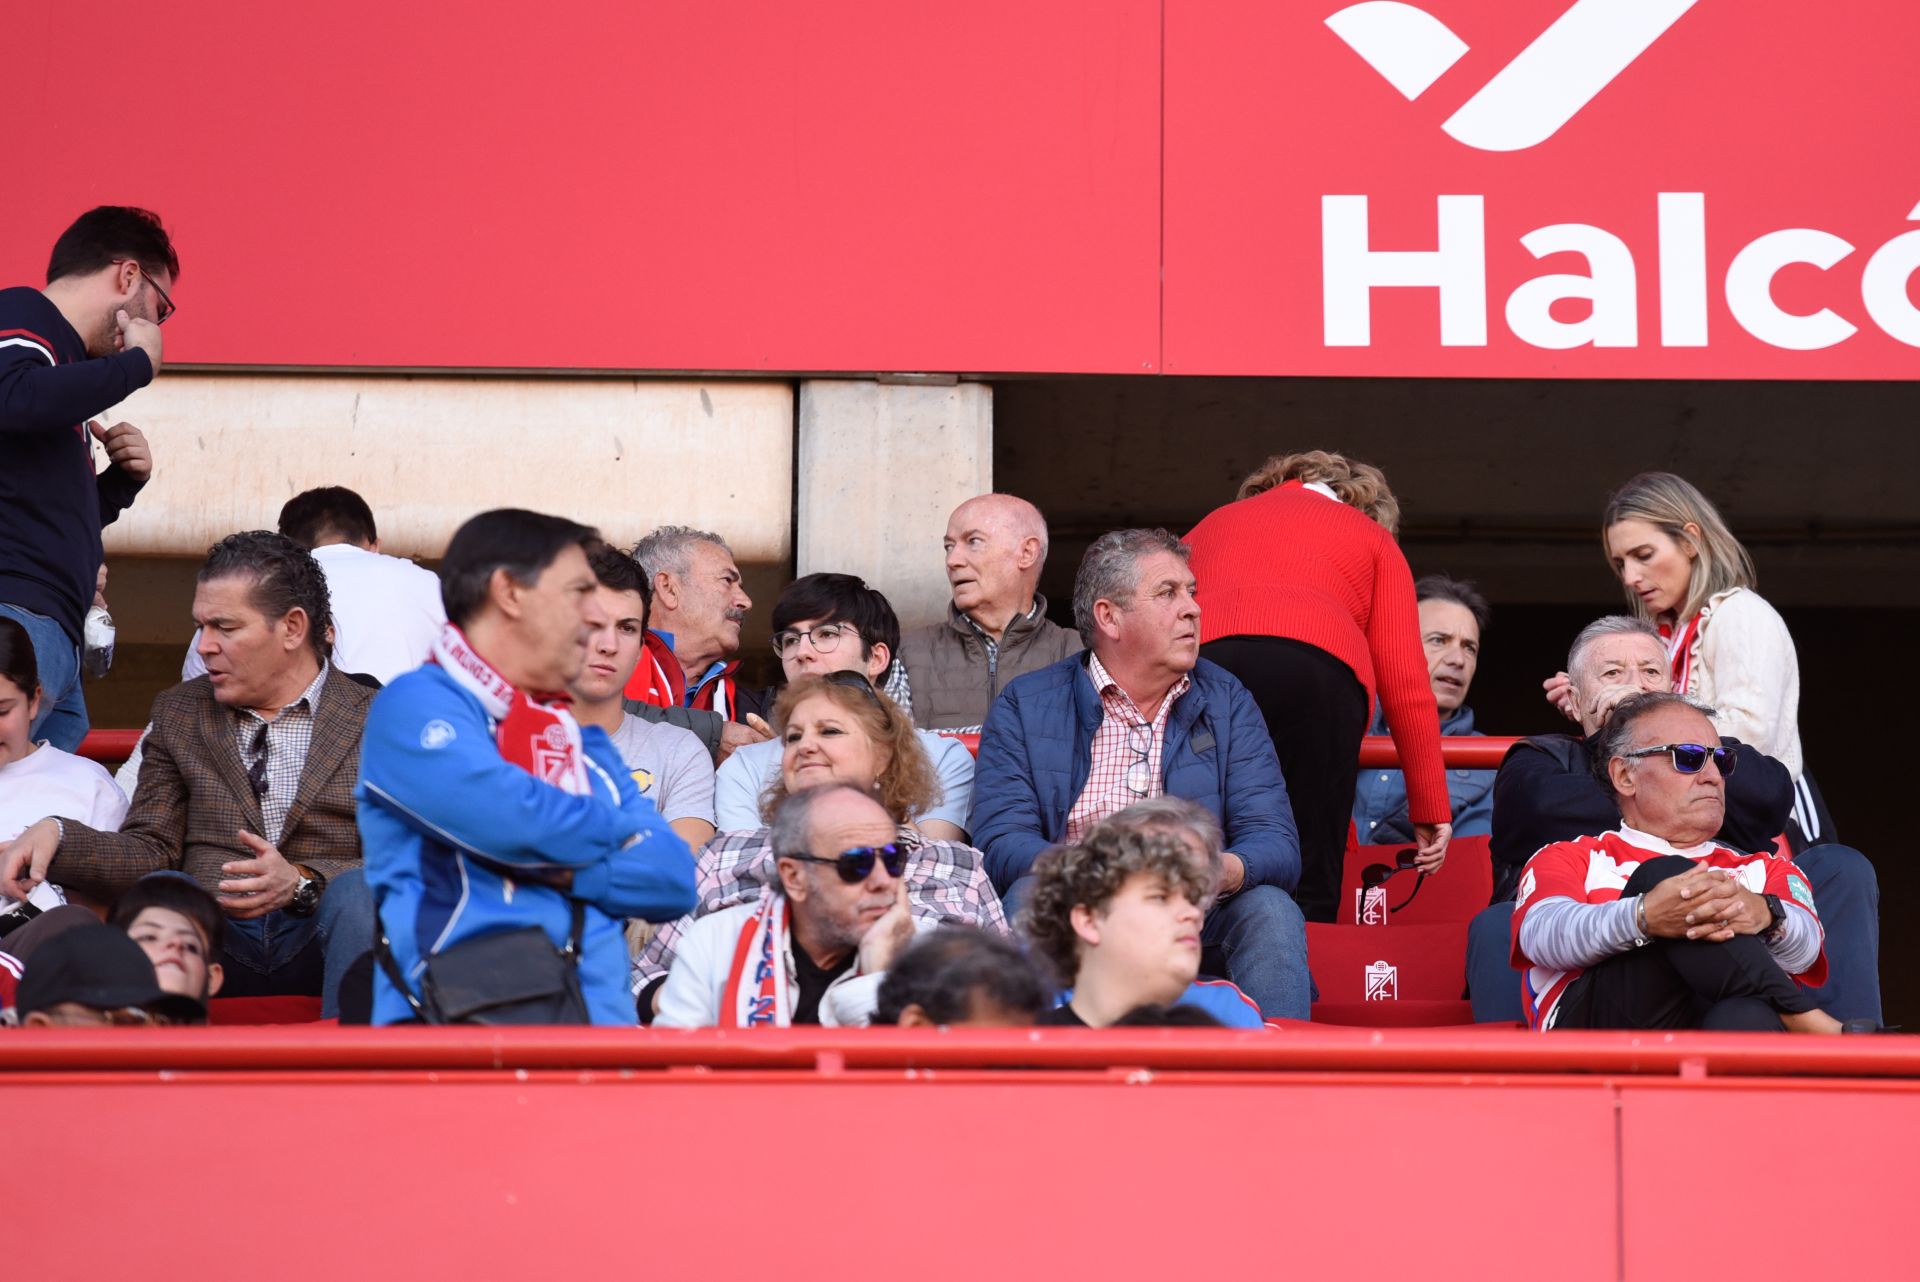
x,y
824,636
856,865
257,766
166,304
1691,758
1140,773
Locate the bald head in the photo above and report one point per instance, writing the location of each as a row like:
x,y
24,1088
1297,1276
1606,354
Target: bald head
x,y
996,545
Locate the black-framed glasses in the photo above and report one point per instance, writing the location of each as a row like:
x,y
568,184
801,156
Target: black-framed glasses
x,y
257,763
825,637
855,865
1140,773
166,304
1691,758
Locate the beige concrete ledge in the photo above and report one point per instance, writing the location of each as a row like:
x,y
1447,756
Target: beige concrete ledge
x,y
429,451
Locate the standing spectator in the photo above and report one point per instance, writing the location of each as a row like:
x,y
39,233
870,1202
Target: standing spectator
x,y
38,779
1453,615
1683,569
248,783
835,623
85,343
386,609
821,935
485,807
1310,604
668,765
1139,714
996,627
1655,924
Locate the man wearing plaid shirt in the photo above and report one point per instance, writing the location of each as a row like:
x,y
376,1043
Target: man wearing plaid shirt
x,y
1139,714
247,785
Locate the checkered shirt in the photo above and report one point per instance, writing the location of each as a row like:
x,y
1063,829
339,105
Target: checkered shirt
x,y
1124,741
289,735
946,881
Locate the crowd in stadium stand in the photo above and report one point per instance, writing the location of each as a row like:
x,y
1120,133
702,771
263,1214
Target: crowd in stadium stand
x,y
537,788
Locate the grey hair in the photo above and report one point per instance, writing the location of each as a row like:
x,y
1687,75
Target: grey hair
x,y
1614,738
791,831
1110,571
1612,625
668,550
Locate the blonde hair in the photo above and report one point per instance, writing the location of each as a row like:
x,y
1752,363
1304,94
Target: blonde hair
x,y
1359,485
1671,503
906,786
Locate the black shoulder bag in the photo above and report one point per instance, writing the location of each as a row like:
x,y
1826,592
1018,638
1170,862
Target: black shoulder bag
x,y
509,977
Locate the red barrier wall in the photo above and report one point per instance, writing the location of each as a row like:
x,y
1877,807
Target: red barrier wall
x,y
1349,1153
1119,186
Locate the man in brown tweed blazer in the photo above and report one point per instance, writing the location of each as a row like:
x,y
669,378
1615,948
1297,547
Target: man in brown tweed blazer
x,y
247,784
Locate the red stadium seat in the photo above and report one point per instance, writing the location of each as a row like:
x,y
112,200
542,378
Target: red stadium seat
x,y
263,1010
1389,976
1460,889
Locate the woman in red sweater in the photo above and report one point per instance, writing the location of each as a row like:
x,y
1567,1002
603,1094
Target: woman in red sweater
x,y
1309,602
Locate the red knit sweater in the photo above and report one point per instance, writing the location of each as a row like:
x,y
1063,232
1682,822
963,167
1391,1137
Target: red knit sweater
x,y
1294,563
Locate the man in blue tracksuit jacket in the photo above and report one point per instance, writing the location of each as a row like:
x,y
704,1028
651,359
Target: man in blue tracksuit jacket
x,y
1134,604
461,836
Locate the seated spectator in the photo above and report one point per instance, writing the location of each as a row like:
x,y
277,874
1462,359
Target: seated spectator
x,y
835,623
1655,924
668,764
959,977
180,928
1119,917
248,783
1178,1015
1547,790
1453,614
1139,715
386,609
837,729
996,626
698,607
485,807
93,976
821,934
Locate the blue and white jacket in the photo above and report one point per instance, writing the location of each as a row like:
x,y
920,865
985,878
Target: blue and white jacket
x,y
434,792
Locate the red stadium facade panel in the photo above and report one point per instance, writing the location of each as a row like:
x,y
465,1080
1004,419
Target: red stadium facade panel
x,y
1571,188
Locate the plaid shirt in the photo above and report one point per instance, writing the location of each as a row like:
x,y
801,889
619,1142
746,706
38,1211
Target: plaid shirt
x,y
1126,752
946,881
289,735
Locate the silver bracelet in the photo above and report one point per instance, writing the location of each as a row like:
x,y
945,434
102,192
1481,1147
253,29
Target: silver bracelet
x,y
1640,916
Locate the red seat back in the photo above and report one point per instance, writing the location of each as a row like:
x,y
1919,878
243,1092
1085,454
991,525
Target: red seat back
x,y
1460,889
263,1010
1380,964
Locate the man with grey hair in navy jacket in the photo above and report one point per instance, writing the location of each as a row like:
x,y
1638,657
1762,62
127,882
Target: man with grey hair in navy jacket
x,y
1139,714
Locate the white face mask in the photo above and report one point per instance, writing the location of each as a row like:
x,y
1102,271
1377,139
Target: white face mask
x,y
98,635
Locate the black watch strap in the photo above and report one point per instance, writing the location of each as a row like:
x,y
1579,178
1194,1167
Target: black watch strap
x,y
1777,921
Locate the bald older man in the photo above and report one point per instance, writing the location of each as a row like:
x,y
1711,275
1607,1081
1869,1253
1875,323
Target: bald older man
x,y
996,626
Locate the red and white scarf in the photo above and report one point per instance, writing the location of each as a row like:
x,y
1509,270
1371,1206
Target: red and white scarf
x,y
756,991
1683,643
536,733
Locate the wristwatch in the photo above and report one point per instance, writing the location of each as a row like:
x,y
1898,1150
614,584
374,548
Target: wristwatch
x,y
306,897
1777,926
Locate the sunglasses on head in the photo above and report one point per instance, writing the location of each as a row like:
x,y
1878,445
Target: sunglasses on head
x,y
1691,758
856,865
853,681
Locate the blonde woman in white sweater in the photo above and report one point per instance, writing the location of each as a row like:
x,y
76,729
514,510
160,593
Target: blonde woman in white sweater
x,y
1685,571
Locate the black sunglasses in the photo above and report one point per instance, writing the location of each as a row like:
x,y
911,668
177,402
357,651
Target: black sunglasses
x,y
1691,758
856,865
853,681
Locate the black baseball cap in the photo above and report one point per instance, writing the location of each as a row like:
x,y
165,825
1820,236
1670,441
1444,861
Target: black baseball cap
x,y
99,967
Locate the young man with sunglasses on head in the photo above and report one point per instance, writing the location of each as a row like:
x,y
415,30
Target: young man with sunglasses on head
x,y
85,343
247,784
815,946
1548,790
826,623
1655,925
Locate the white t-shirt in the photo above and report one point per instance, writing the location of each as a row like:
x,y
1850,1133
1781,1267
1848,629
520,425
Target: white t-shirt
x,y
670,766
386,613
48,781
751,770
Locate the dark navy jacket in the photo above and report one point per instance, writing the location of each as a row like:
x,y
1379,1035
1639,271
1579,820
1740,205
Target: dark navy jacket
x,y
1036,751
